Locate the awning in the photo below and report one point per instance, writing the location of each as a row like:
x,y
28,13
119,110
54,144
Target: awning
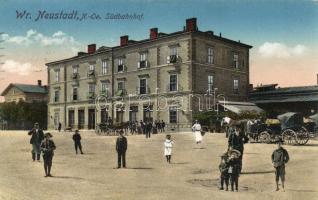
x,y
239,107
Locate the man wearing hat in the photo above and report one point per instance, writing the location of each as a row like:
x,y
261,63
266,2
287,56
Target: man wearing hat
x,y
121,148
237,140
279,158
37,136
48,147
77,141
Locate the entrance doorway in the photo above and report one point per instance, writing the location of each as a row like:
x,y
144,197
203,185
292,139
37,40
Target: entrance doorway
x,y
91,118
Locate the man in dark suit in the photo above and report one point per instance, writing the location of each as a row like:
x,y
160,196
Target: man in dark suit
x,y
37,136
77,141
237,139
121,148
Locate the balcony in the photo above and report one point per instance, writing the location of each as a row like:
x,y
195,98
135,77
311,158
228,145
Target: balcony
x,y
75,78
121,92
143,90
143,64
91,73
121,68
74,98
91,95
104,93
172,59
174,88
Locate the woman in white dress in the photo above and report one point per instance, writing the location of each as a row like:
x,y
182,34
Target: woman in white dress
x,y
168,148
196,128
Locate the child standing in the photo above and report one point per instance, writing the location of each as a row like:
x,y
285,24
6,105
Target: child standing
x,y
168,148
224,168
234,168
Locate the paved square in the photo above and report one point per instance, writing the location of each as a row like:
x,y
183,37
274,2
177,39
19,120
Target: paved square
x,y
193,173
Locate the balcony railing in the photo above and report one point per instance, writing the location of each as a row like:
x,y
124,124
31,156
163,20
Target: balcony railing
x,y
74,98
91,95
121,68
75,76
104,93
121,92
143,90
172,59
91,73
143,64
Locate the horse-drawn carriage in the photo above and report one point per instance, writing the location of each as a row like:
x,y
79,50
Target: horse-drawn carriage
x,y
290,126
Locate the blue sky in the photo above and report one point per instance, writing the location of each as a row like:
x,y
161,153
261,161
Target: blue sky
x,y
283,33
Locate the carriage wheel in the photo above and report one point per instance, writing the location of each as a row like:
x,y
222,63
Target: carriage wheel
x,y
264,137
289,136
302,136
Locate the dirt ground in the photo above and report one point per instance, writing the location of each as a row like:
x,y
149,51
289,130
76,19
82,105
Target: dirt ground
x,y
193,173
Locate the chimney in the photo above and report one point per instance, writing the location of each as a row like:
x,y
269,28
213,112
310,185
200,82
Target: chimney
x,y
191,24
124,40
91,48
40,83
153,33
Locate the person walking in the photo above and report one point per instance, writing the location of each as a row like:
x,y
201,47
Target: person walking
x,y
279,158
236,141
163,125
168,148
148,129
77,141
48,147
37,136
121,148
59,127
196,128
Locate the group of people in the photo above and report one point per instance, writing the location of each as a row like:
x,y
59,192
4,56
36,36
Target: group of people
x,y
43,143
231,161
230,166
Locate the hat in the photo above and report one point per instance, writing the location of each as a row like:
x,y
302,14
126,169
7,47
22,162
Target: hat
x,y
279,140
238,153
48,134
36,123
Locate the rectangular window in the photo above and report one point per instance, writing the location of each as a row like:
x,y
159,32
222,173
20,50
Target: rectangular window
x,y
143,56
104,67
75,95
142,86
173,51
133,113
57,76
104,88
235,60
173,114
148,113
120,65
75,69
56,95
210,83
91,88
121,85
210,55
91,67
173,86
236,86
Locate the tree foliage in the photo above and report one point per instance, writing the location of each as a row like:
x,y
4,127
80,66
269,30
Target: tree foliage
x,y
22,115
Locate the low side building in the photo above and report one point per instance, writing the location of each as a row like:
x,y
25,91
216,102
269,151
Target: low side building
x,y
16,92
277,101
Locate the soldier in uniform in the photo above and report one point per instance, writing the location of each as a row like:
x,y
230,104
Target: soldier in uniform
x,y
48,147
77,141
121,148
279,158
37,136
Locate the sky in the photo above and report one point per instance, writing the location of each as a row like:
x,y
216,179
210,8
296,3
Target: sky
x,y
283,33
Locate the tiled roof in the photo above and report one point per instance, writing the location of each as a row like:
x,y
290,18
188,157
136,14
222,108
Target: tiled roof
x,y
26,88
